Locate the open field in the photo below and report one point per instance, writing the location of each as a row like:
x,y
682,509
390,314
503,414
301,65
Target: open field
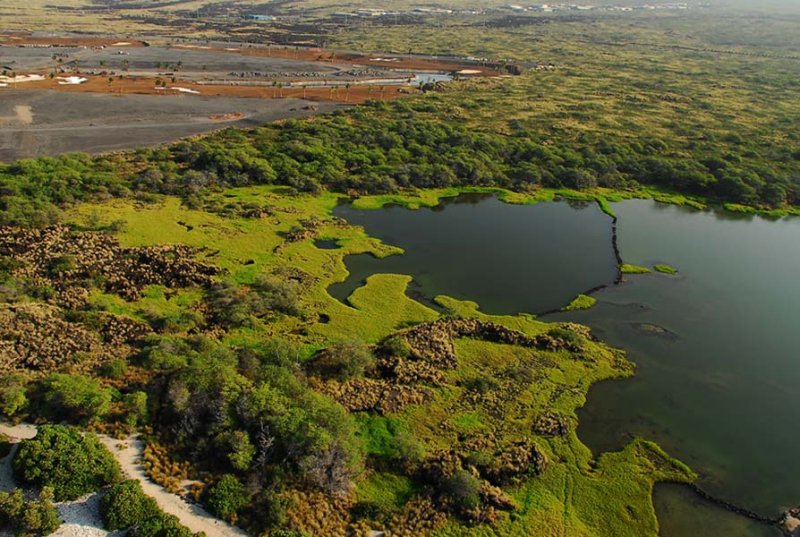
x,y
195,87
46,122
98,94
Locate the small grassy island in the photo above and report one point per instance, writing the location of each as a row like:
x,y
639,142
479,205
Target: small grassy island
x,y
627,268
581,302
665,269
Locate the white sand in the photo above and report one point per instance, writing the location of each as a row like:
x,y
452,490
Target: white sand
x,y
469,72
81,518
185,90
20,78
71,80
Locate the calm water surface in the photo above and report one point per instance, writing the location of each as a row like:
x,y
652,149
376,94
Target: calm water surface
x,y
507,258
718,378
721,387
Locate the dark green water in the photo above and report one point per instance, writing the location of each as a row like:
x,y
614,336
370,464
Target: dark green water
x,y
683,513
507,258
718,382
723,393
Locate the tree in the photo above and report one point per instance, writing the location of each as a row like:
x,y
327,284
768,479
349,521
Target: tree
x,y
37,517
240,450
61,458
227,497
126,505
343,361
77,397
13,395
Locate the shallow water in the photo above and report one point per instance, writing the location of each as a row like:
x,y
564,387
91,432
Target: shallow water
x,y
716,346
722,392
682,513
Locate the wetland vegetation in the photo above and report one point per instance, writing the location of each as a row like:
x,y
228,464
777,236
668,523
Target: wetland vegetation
x,y
304,364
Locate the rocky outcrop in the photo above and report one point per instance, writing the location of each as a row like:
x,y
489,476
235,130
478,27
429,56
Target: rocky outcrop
x,y
71,262
378,395
433,342
791,522
403,371
550,424
37,337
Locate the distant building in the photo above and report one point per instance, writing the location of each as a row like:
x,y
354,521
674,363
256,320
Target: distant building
x,y
256,17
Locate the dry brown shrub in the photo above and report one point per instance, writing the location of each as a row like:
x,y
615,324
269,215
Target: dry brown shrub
x,y
164,471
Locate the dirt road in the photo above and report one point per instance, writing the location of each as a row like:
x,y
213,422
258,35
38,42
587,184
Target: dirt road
x,y
128,453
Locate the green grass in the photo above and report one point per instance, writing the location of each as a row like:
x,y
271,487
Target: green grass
x,y
627,268
581,302
379,433
665,269
388,492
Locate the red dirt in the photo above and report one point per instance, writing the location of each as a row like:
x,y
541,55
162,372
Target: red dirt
x,y
226,117
25,39
147,86
331,56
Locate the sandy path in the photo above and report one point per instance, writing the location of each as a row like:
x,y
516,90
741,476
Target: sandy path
x,y
128,453
22,115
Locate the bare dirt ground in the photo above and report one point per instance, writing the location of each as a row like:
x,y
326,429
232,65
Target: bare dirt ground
x,y
215,56
44,122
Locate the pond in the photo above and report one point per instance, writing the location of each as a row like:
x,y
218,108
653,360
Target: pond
x,y
507,258
716,345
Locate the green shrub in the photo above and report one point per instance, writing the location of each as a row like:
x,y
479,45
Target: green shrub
x,y
135,408
396,346
161,525
568,336
74,397
13,395
343,361
227,497
37,517
61,458
115,369
463,490
238,305
277,295
126,505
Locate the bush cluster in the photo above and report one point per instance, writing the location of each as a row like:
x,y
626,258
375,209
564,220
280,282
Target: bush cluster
x,y
71,463
126,507
29,517
384,147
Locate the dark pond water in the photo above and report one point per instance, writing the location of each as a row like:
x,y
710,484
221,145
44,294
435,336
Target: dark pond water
x,y
718,379
682,513
723,392
326,244
507,258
